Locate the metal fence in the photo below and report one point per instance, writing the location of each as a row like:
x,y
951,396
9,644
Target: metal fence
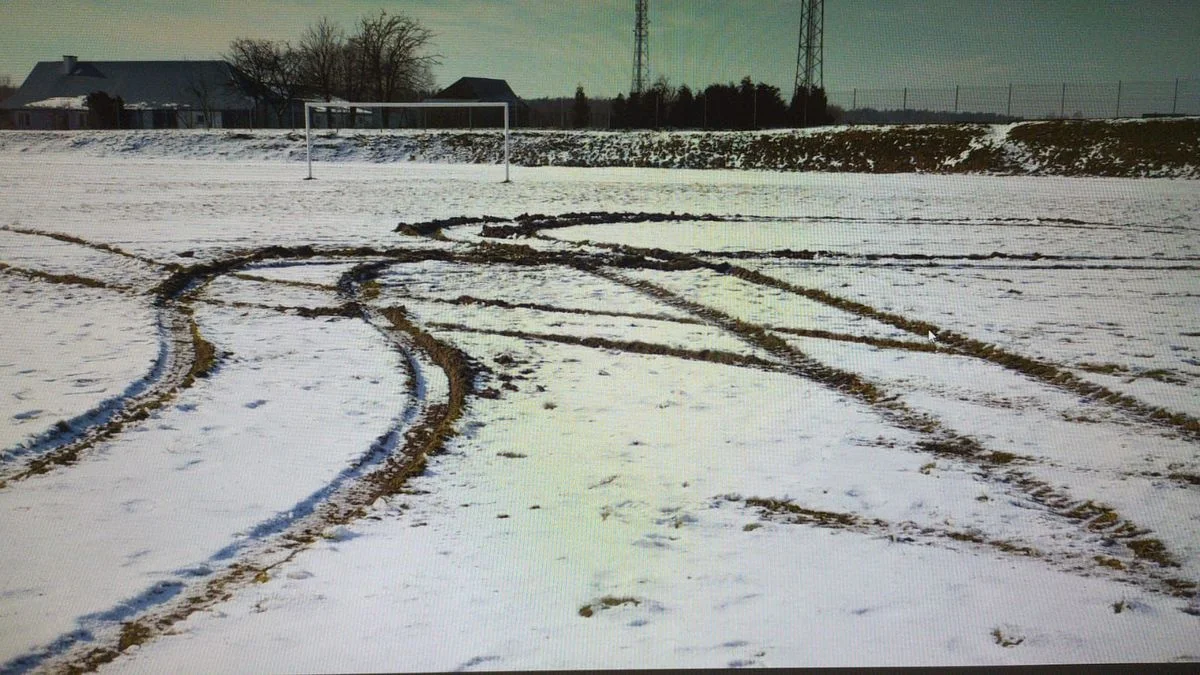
x,y
1035,101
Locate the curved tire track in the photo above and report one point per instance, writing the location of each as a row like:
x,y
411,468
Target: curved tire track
x,y
384,470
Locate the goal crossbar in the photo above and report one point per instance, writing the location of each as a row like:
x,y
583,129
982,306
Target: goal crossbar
x,y
310,105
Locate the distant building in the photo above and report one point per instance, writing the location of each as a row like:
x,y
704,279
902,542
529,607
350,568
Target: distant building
x,y
483,90
156,94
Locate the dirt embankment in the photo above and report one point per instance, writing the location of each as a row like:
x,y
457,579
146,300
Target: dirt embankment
x,y
1116,148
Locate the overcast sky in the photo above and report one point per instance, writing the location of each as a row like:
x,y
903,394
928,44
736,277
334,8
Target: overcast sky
x,y
546,47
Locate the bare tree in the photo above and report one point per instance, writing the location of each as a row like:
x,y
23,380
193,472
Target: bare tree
x,y
202,92
287,81
254,58
389,55
273,69
322,60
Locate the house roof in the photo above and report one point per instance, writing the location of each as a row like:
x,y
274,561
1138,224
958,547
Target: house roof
x,y
482,89
141,84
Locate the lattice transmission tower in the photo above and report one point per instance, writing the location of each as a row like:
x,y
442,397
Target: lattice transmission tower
x,y
641,48
810,57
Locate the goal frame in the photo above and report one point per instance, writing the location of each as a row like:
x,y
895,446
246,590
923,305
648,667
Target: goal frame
x,y
310,105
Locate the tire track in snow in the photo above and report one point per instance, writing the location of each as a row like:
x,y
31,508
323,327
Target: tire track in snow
x,y
395,456
99,246
174,369
65,279
1046,371
1146,562
421,430
1084,516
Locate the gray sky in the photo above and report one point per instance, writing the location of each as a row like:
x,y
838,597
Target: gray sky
x,y
546,47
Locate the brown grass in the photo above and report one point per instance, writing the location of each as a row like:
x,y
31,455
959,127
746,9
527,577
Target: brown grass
x,y
132,633
1102,368
284,282
348,310
1006,640
1100,148
802,516
607,602
1152,550
71,239
65,279
1189,478
882,343
502,304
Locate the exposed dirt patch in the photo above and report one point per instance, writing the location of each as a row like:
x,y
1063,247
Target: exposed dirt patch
x,y
606,603
469,300
65,279
1102,148
633,347
99,246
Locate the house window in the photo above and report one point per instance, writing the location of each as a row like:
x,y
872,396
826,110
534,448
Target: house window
x,y
24,120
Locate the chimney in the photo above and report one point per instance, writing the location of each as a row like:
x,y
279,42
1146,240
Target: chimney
x,y
69,64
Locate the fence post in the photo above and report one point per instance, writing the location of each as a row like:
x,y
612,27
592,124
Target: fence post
x,y
1118,99
1062,104
854,96
905,105
956,99
1009,113
1175,100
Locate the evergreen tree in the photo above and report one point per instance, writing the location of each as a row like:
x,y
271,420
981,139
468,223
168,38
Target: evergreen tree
x,y
772,111
620,113
683,112
810,108
746,112
581,114
104,111
635,113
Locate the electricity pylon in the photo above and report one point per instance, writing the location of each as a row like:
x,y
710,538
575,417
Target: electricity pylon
x,y
810,57
641,48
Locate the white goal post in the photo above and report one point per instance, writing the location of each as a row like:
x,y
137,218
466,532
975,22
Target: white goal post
x,y
310,105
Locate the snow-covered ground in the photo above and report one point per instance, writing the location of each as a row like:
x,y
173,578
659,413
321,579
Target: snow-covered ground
x,y
709,504
1129,148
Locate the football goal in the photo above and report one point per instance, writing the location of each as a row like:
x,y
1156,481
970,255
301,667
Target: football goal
x,y
310,106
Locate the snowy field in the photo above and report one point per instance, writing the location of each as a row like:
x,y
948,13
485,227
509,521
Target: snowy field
x,y
851,421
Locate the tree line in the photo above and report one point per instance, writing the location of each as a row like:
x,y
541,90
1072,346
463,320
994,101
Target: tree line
x,y
384,59
745,105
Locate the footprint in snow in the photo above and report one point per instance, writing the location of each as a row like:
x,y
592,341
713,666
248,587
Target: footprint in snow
x,y
28,414
254,404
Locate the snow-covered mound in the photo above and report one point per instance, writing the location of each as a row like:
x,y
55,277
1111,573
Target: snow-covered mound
x,y
1124,148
